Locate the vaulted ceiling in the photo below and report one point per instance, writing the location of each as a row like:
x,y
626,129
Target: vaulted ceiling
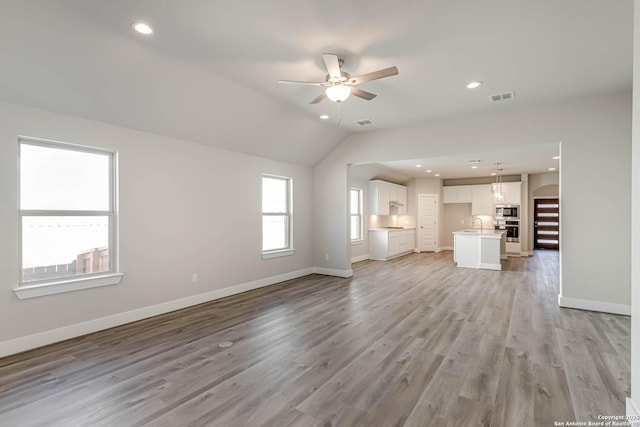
x,y
209,73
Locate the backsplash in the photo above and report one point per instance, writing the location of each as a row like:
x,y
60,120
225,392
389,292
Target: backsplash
x,y
379,221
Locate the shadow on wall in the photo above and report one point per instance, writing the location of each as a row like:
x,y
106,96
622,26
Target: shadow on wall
x,y
552,190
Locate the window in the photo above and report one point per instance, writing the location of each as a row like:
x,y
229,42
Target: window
x,y
276,216
356,214
67,216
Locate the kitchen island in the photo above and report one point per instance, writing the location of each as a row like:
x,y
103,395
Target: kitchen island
x,y
474,248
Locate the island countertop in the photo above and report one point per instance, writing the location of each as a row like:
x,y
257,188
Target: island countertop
x,y
486,234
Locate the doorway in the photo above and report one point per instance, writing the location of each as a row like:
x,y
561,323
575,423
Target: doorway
x,y
546,224
427,222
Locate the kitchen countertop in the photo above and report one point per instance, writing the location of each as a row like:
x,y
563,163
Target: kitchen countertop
x,y
491,234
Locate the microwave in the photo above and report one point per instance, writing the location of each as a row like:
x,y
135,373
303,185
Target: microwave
x,y
508,211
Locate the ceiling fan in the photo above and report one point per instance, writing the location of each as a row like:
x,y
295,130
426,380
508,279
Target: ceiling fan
x,y
340,84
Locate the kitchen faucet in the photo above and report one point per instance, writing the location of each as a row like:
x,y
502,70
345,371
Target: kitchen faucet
x,y
474,220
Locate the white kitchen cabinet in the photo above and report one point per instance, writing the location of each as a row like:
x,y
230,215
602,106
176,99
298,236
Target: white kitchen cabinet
x,y
457,194
385,244
482,200
402,198
512,193
378,197
383,192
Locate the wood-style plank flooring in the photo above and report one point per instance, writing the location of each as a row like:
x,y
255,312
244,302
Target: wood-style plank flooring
x,y
410,342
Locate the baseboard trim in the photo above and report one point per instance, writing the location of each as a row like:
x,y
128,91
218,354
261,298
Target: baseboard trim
x,y
360,258
604,307
632,410
486,266
445,248
333,272
40,339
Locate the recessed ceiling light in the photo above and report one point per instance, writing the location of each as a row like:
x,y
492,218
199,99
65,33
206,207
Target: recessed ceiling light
x,y
474,85
474,167
552,169
429,171
555,158
418,165
437,174
324,117
142,28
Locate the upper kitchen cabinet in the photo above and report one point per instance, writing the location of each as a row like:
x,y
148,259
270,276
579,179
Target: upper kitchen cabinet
x,y
512,193
386,198
457,194
482,200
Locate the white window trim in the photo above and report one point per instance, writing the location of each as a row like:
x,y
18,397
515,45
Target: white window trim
x,y
360,214
278,253
68,285
289,249
38,288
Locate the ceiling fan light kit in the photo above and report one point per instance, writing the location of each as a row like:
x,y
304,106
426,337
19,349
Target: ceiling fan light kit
x,y
338,92
340,85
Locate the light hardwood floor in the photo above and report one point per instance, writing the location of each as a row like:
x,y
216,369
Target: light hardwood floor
x,y
410,342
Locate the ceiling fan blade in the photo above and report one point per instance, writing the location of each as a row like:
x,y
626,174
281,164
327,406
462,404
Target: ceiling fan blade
x,y
319,98
294,82
362,94
386,72
332,64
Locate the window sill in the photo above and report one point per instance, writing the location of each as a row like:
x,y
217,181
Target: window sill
x,y
68,285
278,254
357,242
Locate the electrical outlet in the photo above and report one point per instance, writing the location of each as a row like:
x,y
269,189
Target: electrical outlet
x,y
194,278
326,257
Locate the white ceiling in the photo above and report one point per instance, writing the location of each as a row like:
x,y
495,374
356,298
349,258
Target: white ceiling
x,y
209,74
529,159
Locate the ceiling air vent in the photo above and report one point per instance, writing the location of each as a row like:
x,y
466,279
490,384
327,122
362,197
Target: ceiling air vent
x,y
364,122
502,96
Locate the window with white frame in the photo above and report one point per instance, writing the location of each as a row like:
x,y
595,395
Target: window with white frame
x,y
67,213
356,214
276,214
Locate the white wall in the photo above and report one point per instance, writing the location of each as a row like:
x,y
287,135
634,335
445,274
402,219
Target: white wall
x,y
596,136
184,208
457,216
635,224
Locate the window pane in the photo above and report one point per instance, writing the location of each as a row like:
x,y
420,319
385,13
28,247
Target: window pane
x,y
355,201
355,227
274,195
547,241
57,246
54,178
274,232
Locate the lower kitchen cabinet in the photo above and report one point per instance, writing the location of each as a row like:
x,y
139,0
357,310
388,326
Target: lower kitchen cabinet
x,y
385,244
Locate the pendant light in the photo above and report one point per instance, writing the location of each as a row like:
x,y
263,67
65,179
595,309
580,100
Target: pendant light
x,y
498,193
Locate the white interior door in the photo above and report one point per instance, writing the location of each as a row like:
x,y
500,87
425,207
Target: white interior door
x,y
427,222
